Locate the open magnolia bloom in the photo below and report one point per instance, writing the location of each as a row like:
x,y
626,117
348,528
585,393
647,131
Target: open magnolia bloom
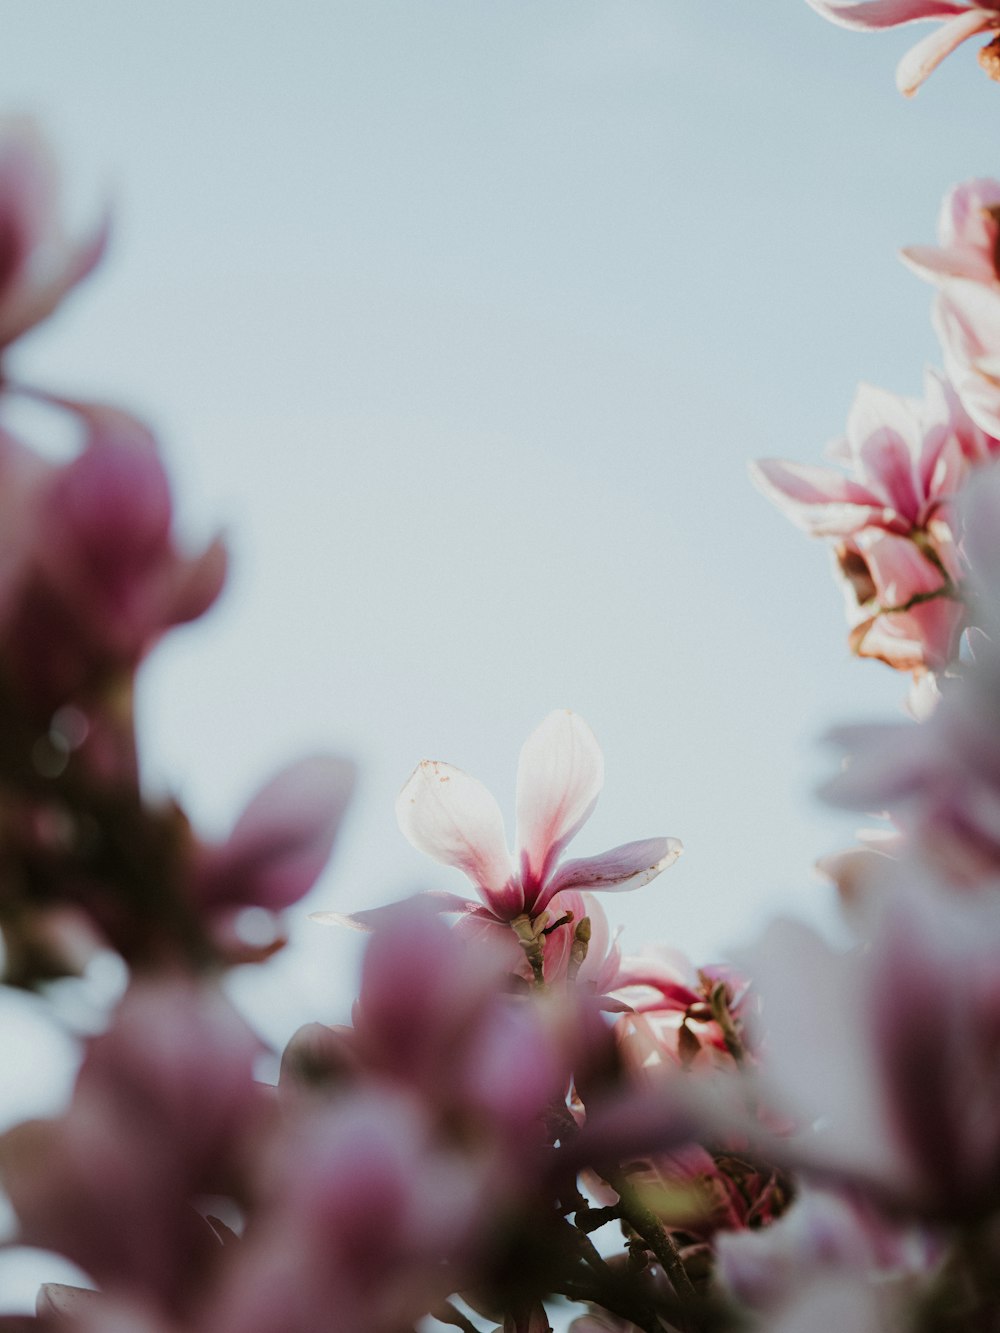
x,y
454,819
959,19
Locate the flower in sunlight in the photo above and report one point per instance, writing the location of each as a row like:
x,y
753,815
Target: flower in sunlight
x,y
454,819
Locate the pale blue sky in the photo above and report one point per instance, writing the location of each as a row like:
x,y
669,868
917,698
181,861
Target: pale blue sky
x,y
464,318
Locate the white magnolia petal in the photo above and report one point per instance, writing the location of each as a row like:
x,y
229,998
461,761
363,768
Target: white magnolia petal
x,y
922,59
626,867
559,777
453,818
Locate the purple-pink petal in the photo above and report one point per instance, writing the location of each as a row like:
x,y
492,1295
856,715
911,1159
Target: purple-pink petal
x,y
626,867
283,839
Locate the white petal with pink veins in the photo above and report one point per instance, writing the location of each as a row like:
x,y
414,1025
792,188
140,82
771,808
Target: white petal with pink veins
x,y
626,867
559,777
453,818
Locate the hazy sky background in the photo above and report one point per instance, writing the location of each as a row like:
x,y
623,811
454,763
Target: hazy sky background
x,y
463,318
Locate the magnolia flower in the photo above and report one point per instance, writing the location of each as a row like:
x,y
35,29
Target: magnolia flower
x,y
904,460
967,233
365,1220
960,19
890,511
90,574
823,1233
453,818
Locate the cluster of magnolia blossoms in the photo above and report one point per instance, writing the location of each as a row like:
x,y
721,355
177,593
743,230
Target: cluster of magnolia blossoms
x,y
522,1124
889,506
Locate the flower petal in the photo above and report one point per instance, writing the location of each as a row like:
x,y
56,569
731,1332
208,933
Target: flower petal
x,y
283,839
559,777
817,499
925,57
452,817
626,867
870,15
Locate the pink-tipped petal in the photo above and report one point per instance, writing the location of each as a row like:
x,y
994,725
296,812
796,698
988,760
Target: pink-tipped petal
x,y
626,867
871,15
452,818
933,263
817,499
922,59
884,432
374,918
559,777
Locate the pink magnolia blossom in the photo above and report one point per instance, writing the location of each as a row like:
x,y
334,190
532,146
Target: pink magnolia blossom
x,y
960,20
38,264
453,818
901,608
560,943
901,462
670,1009
91,576
435,1015
890,512
939,779
968,234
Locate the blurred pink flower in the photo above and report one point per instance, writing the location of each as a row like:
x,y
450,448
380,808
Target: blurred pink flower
x,y
38,264
276,851
454,819
968,235
939,779
164,1111
903,461
91,577
886,1056
437,1016
900,608
365,1220
960,19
